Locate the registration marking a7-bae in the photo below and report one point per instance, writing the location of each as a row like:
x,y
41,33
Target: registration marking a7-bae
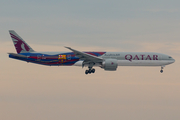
x,y
106,60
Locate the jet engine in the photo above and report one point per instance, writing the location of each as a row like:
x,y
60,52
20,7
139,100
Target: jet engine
x,y
110,64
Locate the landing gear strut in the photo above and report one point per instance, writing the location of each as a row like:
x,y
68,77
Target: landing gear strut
x,y
161,69
91,70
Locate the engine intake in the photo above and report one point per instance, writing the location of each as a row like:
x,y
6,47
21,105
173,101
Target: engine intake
x,y
110,64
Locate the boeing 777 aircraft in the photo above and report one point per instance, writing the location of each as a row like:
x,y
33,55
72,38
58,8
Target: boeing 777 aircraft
x,y
106,60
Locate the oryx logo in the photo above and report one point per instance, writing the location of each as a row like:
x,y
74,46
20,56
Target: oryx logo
x,y
19,44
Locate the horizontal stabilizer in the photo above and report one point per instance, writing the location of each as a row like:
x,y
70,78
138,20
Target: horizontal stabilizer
x,y
17,55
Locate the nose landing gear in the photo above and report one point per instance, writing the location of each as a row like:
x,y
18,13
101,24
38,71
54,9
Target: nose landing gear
x,y
161,69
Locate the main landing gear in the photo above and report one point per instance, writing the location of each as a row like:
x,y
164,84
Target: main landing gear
x,y
161,69
91,70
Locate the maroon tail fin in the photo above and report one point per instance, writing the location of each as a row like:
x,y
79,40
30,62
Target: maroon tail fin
x,y
20,45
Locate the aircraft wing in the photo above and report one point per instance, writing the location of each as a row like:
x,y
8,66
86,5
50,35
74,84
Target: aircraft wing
x,y
86,57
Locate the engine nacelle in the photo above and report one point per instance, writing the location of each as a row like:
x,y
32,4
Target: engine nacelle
x,y
110,64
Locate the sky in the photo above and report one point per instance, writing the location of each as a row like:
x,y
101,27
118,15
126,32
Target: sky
x,y
35,92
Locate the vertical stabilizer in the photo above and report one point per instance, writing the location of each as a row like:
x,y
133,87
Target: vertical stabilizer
x,y
20,45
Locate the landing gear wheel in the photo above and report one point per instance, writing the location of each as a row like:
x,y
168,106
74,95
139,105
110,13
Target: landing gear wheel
x,y
86,72
93,70
89,71
161,69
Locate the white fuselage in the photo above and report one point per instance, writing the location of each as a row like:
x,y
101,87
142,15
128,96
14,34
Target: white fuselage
x,y
136,59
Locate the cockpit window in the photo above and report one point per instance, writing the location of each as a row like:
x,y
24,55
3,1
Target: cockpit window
x,y
170,57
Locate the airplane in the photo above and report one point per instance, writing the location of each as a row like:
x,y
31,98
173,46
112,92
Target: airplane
x,y
108,61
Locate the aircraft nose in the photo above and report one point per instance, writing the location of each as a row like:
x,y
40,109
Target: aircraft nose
x,y
173,60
